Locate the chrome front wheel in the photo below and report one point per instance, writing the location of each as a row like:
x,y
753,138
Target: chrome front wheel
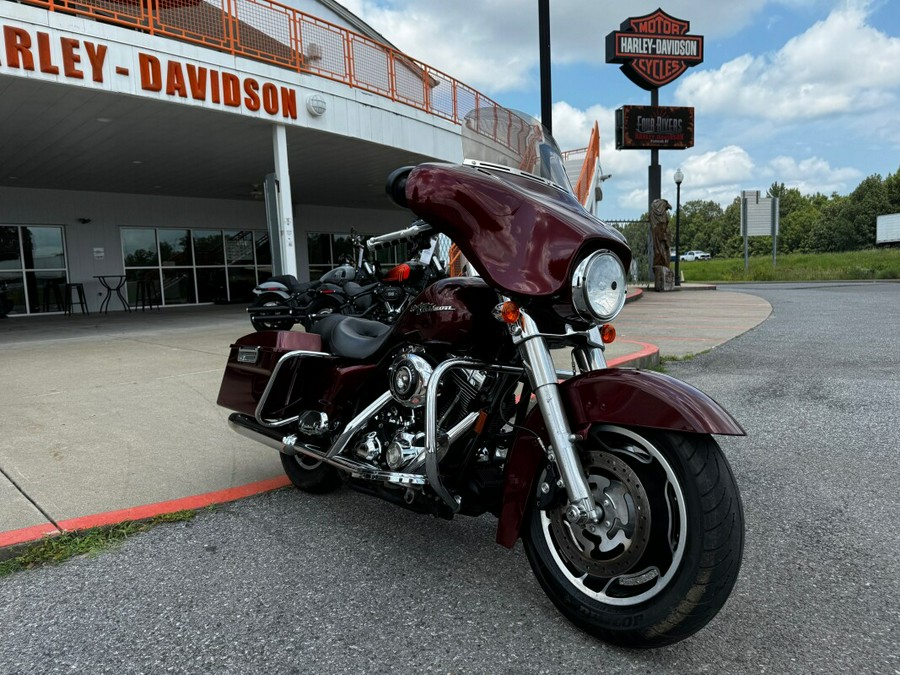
x,y
664,557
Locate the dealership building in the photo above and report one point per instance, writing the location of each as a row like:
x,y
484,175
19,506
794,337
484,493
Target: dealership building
x,y
178,147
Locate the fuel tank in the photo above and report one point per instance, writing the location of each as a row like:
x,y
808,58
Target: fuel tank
x,y
456,312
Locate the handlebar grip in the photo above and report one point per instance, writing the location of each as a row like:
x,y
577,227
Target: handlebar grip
x,y
391,238
396,185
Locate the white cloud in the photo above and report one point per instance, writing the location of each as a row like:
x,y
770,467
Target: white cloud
x,y
840,65
730,165
811,175
718,175
493,46
841,72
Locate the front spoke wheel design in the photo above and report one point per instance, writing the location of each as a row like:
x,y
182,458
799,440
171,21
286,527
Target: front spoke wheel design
x,y
663,558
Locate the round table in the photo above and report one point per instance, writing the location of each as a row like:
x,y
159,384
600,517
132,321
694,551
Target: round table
x,y
112,283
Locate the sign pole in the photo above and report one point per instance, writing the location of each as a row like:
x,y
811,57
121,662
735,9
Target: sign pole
x,y
544,51
744,230
654,182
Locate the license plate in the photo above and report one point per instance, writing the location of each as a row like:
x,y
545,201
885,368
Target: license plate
x,y
248,354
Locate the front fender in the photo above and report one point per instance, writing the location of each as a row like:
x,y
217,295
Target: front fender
x,y
625,397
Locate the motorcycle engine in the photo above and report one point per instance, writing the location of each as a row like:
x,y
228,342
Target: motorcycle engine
x,y
399,442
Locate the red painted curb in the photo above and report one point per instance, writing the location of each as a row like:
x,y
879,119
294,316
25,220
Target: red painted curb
x,y
36,532
26,534
648,350
29,534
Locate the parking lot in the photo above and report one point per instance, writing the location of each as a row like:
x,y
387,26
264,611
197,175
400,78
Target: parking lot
x,y
288,582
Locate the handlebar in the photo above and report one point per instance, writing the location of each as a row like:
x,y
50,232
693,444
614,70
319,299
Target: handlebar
x,y
391,238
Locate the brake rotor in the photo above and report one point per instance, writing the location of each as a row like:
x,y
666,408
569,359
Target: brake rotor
x,y
616,543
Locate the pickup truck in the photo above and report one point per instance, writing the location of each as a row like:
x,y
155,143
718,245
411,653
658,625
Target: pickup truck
x,y
695,255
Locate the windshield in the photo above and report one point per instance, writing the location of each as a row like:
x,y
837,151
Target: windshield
x,y
513,140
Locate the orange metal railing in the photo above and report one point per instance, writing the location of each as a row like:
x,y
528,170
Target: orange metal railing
x,y
267,31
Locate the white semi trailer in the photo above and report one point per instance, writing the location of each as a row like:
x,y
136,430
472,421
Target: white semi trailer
x,y
887,229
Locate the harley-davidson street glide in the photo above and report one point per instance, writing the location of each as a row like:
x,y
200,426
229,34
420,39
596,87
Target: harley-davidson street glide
x,y
628,510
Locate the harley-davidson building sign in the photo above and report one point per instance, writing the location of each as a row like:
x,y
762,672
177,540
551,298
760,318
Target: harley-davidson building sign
x,y
654,49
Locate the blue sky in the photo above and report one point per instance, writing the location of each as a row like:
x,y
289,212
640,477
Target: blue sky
x,y
804,92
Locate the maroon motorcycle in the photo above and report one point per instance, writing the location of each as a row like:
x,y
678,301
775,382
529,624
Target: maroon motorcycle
x,y
627,508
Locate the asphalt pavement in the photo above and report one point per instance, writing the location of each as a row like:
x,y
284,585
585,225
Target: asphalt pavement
x,y
112,417
288,582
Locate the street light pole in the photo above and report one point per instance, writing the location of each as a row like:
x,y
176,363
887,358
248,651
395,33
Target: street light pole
x,y
679,176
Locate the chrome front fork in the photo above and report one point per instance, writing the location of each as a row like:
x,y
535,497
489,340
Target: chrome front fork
x,y
542,373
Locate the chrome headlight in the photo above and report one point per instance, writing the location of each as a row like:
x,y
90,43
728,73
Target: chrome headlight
x,y
598,287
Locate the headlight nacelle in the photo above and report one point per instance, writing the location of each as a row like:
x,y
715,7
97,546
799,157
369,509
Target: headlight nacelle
x,y
598,287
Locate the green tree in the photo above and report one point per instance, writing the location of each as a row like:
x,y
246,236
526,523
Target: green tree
x,y
796,228
636,234
892,189
789,199
868,201
832,231
699,219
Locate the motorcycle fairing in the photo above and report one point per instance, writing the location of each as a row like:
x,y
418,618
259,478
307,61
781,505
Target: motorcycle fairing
x,y
633,398
521,234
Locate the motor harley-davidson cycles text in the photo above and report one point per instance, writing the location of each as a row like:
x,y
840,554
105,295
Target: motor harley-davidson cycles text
x,y
628,511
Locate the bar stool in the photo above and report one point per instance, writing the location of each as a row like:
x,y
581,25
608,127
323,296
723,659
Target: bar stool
x,y
82,301
146,294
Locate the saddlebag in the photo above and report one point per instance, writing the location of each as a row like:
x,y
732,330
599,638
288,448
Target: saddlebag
x,y
250,365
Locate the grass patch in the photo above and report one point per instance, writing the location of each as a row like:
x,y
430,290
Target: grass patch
x,y
62,547
683,357
869,265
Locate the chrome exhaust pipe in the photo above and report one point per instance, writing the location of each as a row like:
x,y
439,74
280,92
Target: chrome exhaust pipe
x,y
288,445
249,428
270,315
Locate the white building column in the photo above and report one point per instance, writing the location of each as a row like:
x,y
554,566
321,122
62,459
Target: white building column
x,y
285,207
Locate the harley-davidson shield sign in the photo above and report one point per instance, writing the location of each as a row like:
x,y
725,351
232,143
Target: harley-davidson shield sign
x,y
654,49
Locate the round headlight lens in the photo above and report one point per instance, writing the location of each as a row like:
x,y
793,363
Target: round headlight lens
x,y
598,286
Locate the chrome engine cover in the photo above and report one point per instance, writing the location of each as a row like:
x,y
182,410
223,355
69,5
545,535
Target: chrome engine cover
x,y
408,379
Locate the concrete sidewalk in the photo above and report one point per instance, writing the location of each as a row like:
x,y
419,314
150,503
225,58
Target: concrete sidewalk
x,y
113,417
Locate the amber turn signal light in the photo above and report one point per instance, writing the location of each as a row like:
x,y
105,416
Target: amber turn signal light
x,y
509,312
607,333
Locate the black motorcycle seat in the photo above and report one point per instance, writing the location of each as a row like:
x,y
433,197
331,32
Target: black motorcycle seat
x,y
350,336
291,282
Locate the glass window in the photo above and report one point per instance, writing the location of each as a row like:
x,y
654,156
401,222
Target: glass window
x,y
34,260
239,247
10,255
241,281
263,250
43,248
319,245
178,286
174,248
46,291
341,248
12,293
139,247
195,266
208,248
149,279
211,285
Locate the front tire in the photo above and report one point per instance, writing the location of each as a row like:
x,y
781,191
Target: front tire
x,y
664,558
